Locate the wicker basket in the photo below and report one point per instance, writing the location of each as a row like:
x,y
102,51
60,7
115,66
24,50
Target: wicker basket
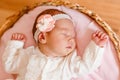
x,y
12,19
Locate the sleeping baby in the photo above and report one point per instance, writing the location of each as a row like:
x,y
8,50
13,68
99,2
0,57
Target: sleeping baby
x,y
55,57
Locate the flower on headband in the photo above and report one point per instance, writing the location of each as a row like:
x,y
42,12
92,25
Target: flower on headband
x,y
45,23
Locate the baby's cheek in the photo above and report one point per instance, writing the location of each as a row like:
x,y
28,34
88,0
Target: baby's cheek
x,y
62,43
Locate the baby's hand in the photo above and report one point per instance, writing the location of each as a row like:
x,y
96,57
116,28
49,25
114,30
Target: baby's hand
x,y
99,38
19,37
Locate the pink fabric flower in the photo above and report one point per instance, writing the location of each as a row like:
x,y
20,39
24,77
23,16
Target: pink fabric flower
x,y
45,23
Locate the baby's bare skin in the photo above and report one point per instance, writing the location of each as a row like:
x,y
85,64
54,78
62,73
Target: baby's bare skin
x,y
19,37
100,38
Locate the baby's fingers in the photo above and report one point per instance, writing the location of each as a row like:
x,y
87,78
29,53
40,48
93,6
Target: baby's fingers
x,y
100,33
17,36
103,36
13,36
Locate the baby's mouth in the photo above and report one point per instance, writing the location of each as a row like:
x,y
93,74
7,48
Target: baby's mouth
x,y
69,47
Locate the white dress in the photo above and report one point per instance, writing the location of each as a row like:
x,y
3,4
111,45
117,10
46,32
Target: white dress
x,y
31,64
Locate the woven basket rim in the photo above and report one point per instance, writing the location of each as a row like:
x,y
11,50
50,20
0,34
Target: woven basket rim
x,y
10,21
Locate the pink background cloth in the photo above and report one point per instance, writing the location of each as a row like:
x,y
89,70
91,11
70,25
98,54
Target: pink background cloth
x,y
84,26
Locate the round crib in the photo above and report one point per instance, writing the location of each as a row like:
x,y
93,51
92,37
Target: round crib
x,y
94,20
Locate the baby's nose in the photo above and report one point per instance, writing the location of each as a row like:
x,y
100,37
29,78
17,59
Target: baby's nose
x,y
71,39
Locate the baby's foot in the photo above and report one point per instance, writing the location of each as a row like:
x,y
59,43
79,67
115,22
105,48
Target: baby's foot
x,y
100,38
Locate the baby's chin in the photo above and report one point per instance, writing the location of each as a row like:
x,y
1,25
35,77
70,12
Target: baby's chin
x,y
65,52
69,52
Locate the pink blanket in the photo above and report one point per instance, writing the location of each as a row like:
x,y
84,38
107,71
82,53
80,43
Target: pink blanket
x,y
109,69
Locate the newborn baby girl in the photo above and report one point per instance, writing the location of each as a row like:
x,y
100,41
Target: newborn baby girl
x,y
55,56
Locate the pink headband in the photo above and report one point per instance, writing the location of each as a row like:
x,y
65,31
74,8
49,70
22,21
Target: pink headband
x,y
46,23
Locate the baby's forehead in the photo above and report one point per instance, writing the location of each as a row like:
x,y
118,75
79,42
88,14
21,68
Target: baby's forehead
x,y
64,24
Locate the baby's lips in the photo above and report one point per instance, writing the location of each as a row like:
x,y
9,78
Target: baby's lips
x,y
69,47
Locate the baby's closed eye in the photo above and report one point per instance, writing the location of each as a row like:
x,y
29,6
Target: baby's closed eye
x,y
65,34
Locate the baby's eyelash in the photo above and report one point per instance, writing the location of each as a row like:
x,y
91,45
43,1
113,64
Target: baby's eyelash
x,y
64,33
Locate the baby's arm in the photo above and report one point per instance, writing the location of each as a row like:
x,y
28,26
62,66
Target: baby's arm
x,y
14,57
93,53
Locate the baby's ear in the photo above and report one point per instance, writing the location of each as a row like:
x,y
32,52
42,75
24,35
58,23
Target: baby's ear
x,y
42,38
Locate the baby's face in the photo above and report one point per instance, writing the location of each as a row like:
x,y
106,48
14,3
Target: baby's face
x,y
61,39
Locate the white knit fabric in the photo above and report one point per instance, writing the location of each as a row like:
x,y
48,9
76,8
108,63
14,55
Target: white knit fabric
x,y
61,16
31,64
